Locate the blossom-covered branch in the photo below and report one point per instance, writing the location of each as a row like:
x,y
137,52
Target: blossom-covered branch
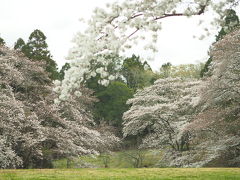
x,y
114,30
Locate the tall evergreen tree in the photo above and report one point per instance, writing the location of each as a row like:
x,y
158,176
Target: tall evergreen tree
x,y
165,70
2,42
231,23
65,67
19,45
37,49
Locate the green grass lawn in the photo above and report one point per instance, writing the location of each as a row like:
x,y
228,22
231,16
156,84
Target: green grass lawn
x,y
123,174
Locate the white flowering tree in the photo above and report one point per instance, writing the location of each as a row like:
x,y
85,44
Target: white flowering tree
x,y
223,88
119,27
33,129
20,128
216,127
20,133
159,113
222,91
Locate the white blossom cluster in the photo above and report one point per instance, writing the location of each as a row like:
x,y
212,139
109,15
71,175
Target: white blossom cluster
x,y
220,94
17,130
207,112
224,84
8,157
160,112
114,29
30,122
216,125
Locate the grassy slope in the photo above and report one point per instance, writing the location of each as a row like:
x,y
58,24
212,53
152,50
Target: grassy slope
x,y
123,174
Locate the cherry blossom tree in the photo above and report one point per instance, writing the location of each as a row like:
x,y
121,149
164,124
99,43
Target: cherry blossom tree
x,y
21,135
20,128
215,128
120,26
222,90
8,157
224,87
33,129
160,112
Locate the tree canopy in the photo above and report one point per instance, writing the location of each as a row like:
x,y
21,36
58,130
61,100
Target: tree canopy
x,y
159,113
116,28
2,42
112,103
136,73
37,49
231,23
33,130
182,71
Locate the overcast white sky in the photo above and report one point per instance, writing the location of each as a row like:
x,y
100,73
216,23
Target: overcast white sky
x,y
59,20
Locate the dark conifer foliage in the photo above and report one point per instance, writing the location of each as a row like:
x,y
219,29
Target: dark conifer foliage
x,y
37,49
